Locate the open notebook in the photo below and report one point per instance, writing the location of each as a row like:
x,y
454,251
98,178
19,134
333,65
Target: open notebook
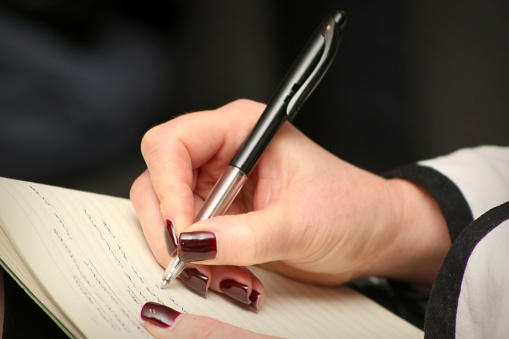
x,y
83,258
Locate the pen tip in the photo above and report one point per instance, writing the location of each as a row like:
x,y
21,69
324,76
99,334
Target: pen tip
x,y
165,283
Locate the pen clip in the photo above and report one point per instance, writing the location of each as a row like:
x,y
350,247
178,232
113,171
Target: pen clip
x,y
327,39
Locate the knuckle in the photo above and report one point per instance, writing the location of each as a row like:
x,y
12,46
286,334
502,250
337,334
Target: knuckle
x,y
210,330
135,191
150,140
245,106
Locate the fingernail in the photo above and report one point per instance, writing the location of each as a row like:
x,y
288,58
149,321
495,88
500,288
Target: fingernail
x,y
197,246
255,299
171,238
195,280
235,290
159,315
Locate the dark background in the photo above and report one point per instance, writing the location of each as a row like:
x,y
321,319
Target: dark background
x,y
82,81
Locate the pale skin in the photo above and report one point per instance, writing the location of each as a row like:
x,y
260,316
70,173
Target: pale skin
x,y
304,212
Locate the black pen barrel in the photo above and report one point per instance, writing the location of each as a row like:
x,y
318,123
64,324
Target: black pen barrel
x,y
263,132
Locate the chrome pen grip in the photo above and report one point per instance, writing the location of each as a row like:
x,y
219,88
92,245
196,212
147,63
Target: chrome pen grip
x,y
223,193
217,203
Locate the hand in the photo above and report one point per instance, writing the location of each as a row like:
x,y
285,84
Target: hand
x,y
164,322
304,212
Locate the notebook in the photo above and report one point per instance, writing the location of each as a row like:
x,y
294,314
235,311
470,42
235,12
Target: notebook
x,y
83,258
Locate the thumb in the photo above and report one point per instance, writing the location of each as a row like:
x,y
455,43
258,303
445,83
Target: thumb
x,y
164,322
241,240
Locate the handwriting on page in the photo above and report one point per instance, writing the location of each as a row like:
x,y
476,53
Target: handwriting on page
x,y
109,280
84,257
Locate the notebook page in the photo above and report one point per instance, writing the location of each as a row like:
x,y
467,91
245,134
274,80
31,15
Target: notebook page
x,y
90,254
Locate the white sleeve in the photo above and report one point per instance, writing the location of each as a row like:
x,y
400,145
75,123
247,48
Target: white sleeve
x,y
481,174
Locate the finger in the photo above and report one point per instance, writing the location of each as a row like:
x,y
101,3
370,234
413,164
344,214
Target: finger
x,y
174,149
241,240
238,283
197,278
146,205
164,322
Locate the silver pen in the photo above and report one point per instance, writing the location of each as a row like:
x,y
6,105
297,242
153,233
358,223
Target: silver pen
x,y
300,81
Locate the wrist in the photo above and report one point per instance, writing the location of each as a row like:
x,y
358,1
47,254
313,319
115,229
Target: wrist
x,y
419,237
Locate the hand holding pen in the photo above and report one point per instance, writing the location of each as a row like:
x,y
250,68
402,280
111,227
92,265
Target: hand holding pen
x,y
301,80
303,213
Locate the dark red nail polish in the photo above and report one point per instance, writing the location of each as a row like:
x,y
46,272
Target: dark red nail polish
x,y
197,246
195,280
255,299
235,290
158,314
171,238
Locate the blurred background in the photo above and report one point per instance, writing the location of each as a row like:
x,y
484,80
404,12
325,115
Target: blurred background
x,y
81,81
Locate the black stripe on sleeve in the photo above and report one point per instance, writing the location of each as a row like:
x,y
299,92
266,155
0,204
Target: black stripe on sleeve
x,y
440,320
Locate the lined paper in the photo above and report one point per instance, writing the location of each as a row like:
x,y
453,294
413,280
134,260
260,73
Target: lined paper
x,y
93,270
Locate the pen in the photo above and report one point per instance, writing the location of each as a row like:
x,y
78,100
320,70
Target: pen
x,y
300,81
